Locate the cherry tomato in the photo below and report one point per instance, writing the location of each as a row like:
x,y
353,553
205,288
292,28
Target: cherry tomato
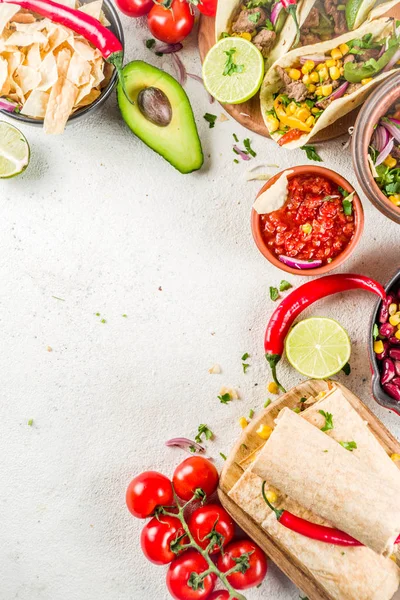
x,y
257,560
135,8
208,7
179,573
220,595
194,473
147,491
202,522
171,25
157,537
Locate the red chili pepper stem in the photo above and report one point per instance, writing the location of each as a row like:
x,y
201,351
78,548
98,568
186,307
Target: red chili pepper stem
x,y
273,360
278,513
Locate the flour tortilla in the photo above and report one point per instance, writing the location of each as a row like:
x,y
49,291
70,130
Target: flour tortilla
x,y
338,108
314,470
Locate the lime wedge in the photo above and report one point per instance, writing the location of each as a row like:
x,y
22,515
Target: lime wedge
x,y
233,70
14,151
318,347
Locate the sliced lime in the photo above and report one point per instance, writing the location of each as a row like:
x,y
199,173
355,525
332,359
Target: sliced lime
x,y
318,347
14,151
233,70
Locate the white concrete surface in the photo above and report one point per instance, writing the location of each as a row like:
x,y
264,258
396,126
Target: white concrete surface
x,y
102,222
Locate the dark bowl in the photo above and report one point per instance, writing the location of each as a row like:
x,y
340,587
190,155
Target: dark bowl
x,y
377,390
116,27
377,105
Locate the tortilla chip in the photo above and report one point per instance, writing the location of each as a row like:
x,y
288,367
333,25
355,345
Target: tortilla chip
x,y
88,99
23,17
62,99
3,76
31,26
79,70
94,9
36,105
27,78
63,59
84,90
97,72
33,58
14,60
23,39
57,35
7,11
48,73
83,48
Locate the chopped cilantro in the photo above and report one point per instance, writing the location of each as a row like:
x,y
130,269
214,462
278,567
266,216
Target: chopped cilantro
x,y
302,400
375,331
248,147
256,4
347,207
210,120
273,293
204,430
268,25
344,192
125,316
97,314
245,356
235,160
150,43
347,369
243,446
328,420
296,410
251,413
103,321
267,402
230,66
245,367
254,17
235,137
222,455
284,285
30,422
285,100
349,445
192,449
324,450
56,297
225,398
312,154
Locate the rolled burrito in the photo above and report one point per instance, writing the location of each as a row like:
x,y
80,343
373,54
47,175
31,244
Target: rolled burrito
x,y
328,480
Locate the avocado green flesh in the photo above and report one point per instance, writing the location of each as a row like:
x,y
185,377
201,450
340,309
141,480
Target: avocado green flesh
x,y
179,141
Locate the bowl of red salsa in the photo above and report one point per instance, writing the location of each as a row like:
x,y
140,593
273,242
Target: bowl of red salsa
x,y
318,226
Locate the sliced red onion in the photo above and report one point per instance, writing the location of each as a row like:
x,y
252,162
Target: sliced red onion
x,y
180,68
380,138
385,152
338,93
200,80
8,105
393,127
395,58
186,444
296,263
317,58
168,48
241,153
276,9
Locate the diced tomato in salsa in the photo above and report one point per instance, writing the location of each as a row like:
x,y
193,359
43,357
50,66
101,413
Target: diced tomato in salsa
x,y
312,223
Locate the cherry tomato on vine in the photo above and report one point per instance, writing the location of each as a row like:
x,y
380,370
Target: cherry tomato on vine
x,y
206,518
147,491
170,20
180,574
195,473
220,595
135,8
206,7
257,561
157,537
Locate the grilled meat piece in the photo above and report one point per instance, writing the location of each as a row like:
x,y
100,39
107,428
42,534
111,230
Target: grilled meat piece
x,y
349,58
245,25
338,16
312,20
353,87
264,41
296,90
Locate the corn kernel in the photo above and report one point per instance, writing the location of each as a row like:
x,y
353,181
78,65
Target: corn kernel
x,y
271,496
326,90
366,80
394,320
339,63
395,199
318,91
273,388
294,74
264,431
337,53
308,66
302,113
390,162
246,36
291,108
395,457
272,123
306,79
310,121
397,334
311,87
378,347
314,77
334,73
344,49
243,422
393,558
331,62
392,309
341,70
320,66
315,110
323,74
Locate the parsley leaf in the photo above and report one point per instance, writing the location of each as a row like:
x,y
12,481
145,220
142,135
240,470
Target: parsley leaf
x,y
150,43
254,17
245,367
235,137
348,205
30,422
268,25
273,293
312,154
251,413
248,147
256,4
284,285
267,402
210,119
349,445
344,192
230,66
375,331
222,455
203,430
328,420
347,369
245,356
225,398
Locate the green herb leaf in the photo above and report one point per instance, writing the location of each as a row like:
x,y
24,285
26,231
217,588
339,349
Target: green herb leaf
x,y
268,25
125,316
30,422
254,17
103,321
251,413
243,446
347,369
284,285
203,430
210,119
245,356
312,154
248,147
235,137
349,445
225,398
344,192
235,160
267,402
348,205
245,367
296,410
222,455
230,66
328,420
273,293
150,43
375,332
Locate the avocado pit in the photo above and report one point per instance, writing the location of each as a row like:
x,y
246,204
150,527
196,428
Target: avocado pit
x,y
155,106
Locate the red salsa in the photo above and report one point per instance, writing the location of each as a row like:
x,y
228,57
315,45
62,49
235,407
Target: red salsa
x,y
312,225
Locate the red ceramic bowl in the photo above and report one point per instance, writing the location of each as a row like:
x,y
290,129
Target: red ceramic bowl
x,y
256,223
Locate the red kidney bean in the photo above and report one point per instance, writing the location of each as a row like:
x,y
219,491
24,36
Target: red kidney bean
x,y
386,330
394,341
397,367
388,371
394,353
383,354
384,312
396,381
392,390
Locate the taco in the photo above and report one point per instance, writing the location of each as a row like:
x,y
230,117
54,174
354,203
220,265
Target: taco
x,y
312,87
276,26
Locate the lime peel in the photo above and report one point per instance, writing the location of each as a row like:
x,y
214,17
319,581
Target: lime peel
x,y
14,151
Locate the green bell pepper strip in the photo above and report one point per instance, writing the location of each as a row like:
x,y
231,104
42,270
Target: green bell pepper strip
x,y
356,72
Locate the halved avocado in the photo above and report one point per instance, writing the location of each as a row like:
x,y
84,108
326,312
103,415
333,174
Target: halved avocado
x,y
161,115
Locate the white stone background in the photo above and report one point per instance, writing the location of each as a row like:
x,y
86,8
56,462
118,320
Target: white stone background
x,y
101,221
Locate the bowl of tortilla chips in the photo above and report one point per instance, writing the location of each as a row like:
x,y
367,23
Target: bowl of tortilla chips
x,y
51,74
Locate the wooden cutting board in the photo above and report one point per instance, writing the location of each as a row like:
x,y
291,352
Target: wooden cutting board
x,y
248,114
236,462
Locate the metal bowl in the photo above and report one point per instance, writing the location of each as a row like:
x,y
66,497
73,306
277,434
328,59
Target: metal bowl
x,y
116,27
377,390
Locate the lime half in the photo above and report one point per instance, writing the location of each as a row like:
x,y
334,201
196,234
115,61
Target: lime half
x,y
233,70
14,151
318,347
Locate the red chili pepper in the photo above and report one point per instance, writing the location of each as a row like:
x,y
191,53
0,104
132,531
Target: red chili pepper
x,y
329,535
291,8
302,297
289,136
